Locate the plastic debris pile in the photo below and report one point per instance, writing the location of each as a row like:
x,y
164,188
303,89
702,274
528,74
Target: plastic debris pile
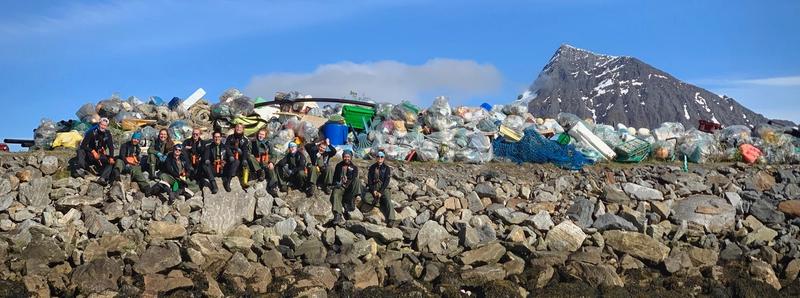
x,y
440,132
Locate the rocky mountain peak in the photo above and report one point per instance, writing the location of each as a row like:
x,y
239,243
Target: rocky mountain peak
x,y
624,89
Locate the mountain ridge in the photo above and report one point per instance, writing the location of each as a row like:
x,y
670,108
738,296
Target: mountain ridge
x,y
623,89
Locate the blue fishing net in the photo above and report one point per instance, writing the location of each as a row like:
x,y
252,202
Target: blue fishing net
x,y
535,148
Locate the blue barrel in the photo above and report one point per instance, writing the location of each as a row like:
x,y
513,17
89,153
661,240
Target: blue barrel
x,y
336,132
486,106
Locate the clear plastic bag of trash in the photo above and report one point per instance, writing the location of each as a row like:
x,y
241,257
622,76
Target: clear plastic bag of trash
x,y
44,135
460,138
487,125
735,135
179,130
663,149
242,106
519,108
471,114
440,137
608,135
230,94
439,122
772,135
221,110
428,151
88,113
669,130
567,120
149,133
440,106
307,131
698,146
134,101
515,123
109,108
405,111
384,109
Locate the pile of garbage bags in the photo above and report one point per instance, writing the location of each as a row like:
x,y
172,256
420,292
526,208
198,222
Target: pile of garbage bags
x,y
440,132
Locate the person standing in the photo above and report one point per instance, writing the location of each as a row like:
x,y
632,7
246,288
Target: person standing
x,y
346,187
239,160
320,155
158,152
378,179
129,163
96,149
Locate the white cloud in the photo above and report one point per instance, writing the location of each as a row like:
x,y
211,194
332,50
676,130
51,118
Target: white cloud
x,y
385,80
774,97
774,81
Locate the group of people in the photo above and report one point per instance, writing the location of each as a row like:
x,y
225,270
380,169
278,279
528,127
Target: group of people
x,y
184,167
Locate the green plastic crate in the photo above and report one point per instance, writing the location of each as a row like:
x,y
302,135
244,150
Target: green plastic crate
x,y
356,116
634,150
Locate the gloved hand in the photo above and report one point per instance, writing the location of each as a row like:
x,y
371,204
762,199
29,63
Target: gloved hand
x,y
162,158
95,155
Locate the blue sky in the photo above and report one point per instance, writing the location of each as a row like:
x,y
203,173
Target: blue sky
x,y
57,55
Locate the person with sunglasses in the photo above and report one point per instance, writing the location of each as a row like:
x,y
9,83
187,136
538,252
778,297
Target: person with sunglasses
x,y
175,176
193,148
378,178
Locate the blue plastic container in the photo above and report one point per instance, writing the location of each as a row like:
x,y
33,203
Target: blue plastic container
x,y
486,106
336,132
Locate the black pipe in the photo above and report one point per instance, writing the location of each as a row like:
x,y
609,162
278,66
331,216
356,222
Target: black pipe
x,y
315,99
23,143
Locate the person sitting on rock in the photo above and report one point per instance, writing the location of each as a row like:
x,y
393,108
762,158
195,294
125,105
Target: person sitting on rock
x,y
175,176
262,165
292,168
378,178
129,163
193,148
158,152
318,169
214,161
239,160
96,149
346,187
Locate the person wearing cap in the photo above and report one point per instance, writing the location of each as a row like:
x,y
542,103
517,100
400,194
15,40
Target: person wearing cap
x,y
239,160
158,152
346,187
378,178
262,164
319,155
193,148
175,177
129,163
214,156
96,149
292,168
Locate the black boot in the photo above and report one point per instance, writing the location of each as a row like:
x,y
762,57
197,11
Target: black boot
x,y
226,183
326,189
172,196
273,191
212,184
261,175
337,219
311,190
101,181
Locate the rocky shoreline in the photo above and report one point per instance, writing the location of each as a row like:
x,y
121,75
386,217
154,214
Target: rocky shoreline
x,y
493,230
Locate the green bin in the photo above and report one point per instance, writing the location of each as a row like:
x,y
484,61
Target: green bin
x,y
356,116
